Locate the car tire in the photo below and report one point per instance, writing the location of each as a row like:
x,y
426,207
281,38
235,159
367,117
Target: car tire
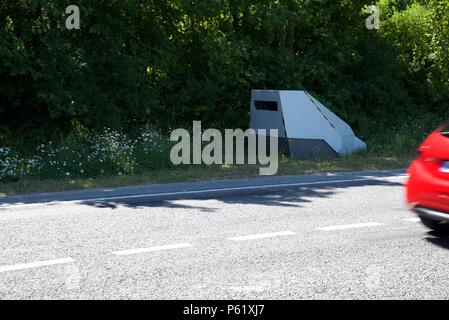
x,y
435,225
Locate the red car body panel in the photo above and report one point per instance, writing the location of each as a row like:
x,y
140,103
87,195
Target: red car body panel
x,y
428,184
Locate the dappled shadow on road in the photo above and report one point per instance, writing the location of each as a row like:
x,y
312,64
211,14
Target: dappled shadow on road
x,y
276,197
439,239
277,191
142,204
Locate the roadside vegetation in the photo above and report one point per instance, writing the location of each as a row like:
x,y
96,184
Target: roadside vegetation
x,y
113,159
143,68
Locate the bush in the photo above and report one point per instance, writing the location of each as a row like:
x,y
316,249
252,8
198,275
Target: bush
x,y
171,62
92,155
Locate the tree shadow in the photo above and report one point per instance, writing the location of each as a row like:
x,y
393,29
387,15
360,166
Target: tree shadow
x,y
143,204
290,197
277,191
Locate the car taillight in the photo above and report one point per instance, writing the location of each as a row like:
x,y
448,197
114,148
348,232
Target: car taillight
x,y
431,164
436,165
444,168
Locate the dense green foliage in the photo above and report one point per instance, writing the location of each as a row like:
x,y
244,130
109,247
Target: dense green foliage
x,y
168,62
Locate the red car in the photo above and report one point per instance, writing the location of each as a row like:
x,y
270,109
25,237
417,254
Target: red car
x,y
428,182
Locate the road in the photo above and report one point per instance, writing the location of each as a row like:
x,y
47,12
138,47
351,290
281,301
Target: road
x,y
322,236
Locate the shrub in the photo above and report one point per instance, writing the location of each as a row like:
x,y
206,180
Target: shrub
x,y
106,153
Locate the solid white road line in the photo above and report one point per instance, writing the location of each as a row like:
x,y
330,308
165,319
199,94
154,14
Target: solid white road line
x,y
217,190
263,236
37,264
152,249
413,220
351,226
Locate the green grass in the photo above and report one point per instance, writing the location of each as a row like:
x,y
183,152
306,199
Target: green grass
x,y
112,159
355,162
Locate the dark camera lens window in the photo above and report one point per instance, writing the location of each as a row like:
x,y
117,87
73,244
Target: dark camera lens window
x,y
266,105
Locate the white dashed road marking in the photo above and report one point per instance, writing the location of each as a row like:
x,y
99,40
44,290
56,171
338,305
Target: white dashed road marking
x,y
263,236
351,226
37,264
68,260
152,249
413,220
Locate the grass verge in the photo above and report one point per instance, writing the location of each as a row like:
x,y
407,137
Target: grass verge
x,y
355,162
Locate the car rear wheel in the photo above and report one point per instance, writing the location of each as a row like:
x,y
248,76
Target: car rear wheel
x,y
435,225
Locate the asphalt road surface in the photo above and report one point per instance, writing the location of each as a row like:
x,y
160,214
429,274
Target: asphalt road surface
x,y
322,236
